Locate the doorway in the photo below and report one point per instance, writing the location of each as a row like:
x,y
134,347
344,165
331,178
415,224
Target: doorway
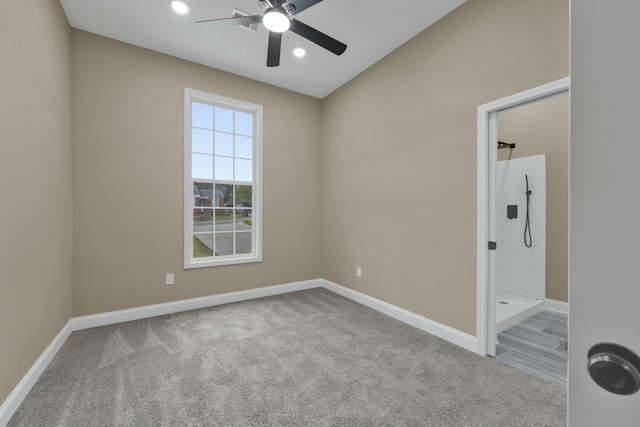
x,y
488,211
532,199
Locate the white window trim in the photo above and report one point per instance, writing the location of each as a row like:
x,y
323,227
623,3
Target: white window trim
x,y
190,262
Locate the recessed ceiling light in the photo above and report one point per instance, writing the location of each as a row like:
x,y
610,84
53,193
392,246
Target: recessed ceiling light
x,y
180,7
299,52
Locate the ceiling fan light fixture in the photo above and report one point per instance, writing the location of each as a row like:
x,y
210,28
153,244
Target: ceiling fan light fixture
x,y
179,7
276,21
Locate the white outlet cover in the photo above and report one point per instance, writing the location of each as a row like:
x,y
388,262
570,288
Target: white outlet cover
x,y
169,279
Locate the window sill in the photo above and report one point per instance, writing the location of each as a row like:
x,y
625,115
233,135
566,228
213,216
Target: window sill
x,y
219,262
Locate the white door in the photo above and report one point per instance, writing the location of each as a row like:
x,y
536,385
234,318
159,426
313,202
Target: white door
x,y
604,292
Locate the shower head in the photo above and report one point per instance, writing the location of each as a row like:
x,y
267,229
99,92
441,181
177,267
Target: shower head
x,y
505,145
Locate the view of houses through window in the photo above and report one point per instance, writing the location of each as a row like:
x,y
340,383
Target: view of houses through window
x,y
222,144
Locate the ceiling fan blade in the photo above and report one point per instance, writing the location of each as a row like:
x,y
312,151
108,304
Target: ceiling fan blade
x,y
317,37
231,22
300,5
273,50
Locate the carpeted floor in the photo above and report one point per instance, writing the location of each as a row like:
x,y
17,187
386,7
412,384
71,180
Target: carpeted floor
x,y
309,358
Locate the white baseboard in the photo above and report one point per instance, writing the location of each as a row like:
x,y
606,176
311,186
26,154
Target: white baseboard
x,y
445,332
119,316
559,306
18,394
11,404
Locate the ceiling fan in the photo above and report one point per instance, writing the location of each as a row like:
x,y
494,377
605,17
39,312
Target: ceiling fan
x,y
278,18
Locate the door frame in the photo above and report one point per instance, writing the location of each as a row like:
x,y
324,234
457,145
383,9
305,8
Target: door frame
x,y
487,157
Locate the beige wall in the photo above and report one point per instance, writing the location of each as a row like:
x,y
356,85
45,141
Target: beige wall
x,y
381,174
127,106
542,127
399,153
35,183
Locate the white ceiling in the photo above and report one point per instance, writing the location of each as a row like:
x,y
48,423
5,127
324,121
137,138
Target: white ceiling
x,y
370,29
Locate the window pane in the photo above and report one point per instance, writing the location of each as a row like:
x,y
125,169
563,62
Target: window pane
x,y
244,147
201,192
224,192
224,220
224,244
224,168
202,166
243,243
224,144
244,195
201,115
244,123
202,207
202,244
244,221
224,119
244,170
202,220
202,141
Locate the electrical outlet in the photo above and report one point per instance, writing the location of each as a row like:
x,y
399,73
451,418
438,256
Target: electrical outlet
x,y
358,272
169,279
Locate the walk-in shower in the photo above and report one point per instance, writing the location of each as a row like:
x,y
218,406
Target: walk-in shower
x,y
521,235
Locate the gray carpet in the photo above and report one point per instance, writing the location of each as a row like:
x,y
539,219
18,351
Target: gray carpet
x,y
309,358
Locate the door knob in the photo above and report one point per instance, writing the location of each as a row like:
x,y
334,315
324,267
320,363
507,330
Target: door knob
x,y
614,368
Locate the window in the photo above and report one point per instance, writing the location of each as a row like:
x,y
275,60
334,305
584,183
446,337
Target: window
x,y
222,184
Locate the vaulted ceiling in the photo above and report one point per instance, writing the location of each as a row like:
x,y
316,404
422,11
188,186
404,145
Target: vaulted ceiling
x,y
370,29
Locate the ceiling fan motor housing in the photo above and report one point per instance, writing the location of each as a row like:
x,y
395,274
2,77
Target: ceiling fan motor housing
x,y
287,6
281,14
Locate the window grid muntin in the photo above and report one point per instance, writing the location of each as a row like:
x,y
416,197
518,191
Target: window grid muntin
x,y
234,211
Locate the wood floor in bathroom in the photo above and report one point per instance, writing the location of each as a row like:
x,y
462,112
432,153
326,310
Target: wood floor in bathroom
x,y
533,346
